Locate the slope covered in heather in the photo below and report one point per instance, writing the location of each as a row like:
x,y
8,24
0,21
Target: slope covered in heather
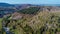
x,y
32,20
43,22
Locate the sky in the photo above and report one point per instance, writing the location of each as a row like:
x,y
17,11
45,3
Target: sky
x,y
31,1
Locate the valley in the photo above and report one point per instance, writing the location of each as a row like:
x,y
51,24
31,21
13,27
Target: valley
x,y
29,19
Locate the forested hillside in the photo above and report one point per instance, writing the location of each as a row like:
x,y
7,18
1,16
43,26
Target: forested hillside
x,y
32,20
30,10
43,22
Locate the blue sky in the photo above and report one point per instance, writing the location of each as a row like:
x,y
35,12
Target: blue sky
x,y
31,1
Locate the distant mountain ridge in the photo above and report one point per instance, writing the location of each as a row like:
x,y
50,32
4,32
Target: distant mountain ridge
x,y
5,5
12,5
6,8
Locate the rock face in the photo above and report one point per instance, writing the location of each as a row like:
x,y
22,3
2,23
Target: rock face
x,y
58,33
16,16
51,8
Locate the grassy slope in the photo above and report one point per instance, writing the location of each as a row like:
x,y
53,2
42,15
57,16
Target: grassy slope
x,y
0,23
37,23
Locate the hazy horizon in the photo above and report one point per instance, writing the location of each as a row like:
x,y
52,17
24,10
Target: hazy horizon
x,y
30,1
